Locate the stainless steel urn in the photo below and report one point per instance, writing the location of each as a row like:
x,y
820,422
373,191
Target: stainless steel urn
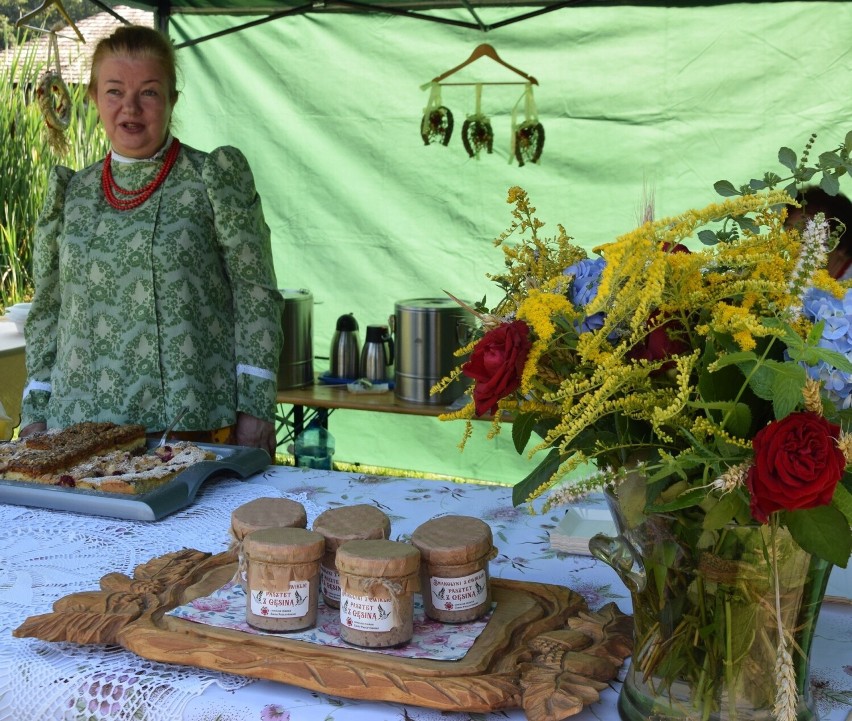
x,y
296,366
428,333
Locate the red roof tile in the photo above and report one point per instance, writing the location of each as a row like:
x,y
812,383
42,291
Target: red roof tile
x,y
75,56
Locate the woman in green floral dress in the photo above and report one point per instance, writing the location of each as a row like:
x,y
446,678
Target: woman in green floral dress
x,y
155,286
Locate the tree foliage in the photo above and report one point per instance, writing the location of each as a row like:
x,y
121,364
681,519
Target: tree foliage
x,y
26,156
50,19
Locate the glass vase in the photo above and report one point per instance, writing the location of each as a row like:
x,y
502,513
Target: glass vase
x,y
708,617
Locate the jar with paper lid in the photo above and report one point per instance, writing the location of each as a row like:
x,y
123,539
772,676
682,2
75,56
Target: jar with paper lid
x,y
282,578
378,580
454,576
360,522
259,514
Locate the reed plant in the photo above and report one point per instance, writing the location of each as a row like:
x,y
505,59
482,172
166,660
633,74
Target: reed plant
x,y
26,157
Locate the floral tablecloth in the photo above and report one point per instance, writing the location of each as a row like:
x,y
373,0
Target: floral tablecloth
x,y
45,555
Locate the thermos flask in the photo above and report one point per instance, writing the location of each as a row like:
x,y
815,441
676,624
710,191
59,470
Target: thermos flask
x,y
377,354
345,348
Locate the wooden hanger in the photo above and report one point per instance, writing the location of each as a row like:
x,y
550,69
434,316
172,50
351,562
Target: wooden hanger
x,y
44,6
484,50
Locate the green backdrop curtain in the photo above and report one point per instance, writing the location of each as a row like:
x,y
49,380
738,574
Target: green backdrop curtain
x,y
634,100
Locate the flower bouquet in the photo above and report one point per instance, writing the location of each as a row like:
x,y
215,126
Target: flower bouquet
x,y
698,368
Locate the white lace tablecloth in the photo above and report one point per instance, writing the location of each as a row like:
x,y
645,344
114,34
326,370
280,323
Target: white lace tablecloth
x,y
45,555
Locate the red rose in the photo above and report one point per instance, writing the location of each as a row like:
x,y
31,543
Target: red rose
x,y
676,248
497,363
665,341
797,464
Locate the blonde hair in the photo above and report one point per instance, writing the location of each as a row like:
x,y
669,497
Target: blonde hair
x,y
136,41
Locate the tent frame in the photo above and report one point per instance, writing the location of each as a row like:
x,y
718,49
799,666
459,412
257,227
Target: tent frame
x,y
272,10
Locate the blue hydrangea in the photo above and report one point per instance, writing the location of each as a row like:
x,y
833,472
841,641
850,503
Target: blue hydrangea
x,y
819,306
586,275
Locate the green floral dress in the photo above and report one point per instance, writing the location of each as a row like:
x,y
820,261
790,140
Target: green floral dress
x,y
140,312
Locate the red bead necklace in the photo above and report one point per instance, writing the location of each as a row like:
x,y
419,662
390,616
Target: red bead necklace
x,y
139,196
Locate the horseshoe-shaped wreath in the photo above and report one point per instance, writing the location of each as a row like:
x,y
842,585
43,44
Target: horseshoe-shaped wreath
x,y
437,124
477,135
54,101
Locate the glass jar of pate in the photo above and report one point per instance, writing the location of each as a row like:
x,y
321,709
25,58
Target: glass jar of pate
x,y
282,578
454,578
378,580
360,522
258,514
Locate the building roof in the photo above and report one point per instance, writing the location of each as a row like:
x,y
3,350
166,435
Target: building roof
x,y
74,55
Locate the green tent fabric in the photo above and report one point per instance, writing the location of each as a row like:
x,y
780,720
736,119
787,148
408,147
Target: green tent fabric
x,y
634,100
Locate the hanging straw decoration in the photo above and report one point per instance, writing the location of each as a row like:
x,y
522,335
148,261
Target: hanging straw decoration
x,y
528,137
477,134
54,101
437,122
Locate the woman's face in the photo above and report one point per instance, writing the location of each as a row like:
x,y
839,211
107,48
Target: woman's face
x,y
134,105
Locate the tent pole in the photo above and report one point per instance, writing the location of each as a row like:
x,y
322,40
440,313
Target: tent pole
x,y
253,23
162,13
386,10
107,9
535,13
470,9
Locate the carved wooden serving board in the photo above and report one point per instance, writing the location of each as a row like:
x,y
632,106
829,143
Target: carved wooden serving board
x,y
542,649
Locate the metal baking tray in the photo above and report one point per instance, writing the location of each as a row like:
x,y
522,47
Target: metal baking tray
x,y
231,461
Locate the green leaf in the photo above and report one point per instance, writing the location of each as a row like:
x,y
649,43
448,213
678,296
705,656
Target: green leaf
x,y
779,382
540,475
738,419
822,531
830,184
747,223
816,332
790,336
632,494
522,428
725,188
692,497
842,501
735,359
831,357
771,179
814,354
756,184
708,237
787,384
848,140
721,514
830,160
787,158
720,388
760,382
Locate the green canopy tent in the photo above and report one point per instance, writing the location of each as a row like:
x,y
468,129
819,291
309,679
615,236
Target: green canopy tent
x,y
636,99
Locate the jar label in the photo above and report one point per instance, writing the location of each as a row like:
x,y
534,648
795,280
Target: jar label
x,y
330,583
459,594
279,604
364,613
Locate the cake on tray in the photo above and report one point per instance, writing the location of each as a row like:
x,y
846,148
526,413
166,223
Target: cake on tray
x,y
105,457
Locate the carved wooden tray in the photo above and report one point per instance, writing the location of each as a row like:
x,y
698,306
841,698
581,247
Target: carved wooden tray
x,y
542,649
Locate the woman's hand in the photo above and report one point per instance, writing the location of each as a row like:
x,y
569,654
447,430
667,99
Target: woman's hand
x,y
32,429
252,431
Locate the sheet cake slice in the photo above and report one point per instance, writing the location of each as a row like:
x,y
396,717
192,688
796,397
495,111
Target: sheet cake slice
x,y
43,457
